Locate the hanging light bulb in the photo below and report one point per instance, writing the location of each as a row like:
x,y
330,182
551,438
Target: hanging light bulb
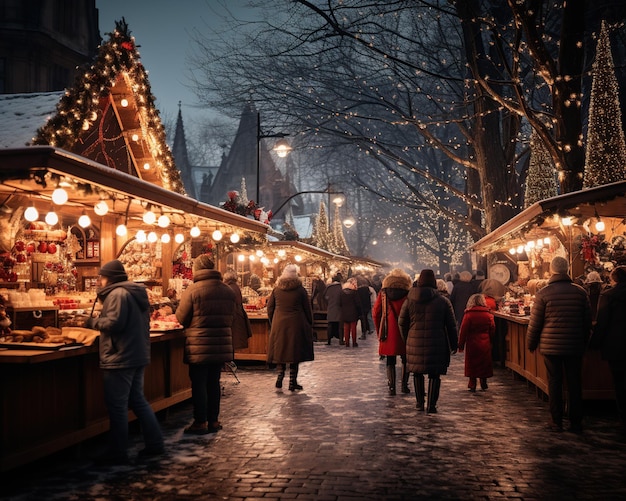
x,y
84,220
52,218
101,208
121,230
59,196
140,236
298,258
600,225
165,238
149,217
234,238
152,237
512,251
163,221
194,232
179,238
217,235
31,214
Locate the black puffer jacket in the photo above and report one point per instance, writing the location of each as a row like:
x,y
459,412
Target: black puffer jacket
x,y
609,333
560,319
206,310
428,325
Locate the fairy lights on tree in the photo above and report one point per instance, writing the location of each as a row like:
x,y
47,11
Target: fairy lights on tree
x,y
82,111
605,158
541,179
321,236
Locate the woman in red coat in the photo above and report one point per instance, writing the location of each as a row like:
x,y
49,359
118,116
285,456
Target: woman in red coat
x,y
477,330
385,313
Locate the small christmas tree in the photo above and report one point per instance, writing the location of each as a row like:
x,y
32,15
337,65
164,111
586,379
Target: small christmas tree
x,y
541,180
321,236
605,157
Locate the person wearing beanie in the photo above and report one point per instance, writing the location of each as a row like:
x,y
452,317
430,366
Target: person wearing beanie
x,y
291,332
385,313
351,311
206,310
594,286
428,327
560,325
610,338
124,350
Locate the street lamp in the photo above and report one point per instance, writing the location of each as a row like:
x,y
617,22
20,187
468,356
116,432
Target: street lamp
x,y
308,191
282,148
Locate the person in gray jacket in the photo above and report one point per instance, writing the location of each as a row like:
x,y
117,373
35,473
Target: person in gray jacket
x,y
207,310
560,325
124,346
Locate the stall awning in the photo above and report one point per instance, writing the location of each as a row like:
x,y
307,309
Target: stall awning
x,y
544,218
24,171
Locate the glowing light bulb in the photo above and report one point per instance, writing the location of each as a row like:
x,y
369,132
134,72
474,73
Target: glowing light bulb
x,y
600,225
31,214
152,237
141,236
217,235
52,218
84,221
234,238
163,221
149,217
59,196
179,238
121,230
194,232
101,208
165,238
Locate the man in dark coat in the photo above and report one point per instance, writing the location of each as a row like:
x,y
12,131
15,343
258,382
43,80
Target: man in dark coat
x,y
206,310
124,346
609,336
560,324
333,312
428,326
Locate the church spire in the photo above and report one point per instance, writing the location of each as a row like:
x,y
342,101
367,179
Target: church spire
x,y
179,151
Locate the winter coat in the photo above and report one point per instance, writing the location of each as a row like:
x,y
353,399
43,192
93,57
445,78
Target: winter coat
x,y
459,297
560,319
594,289
364,296
477,330
428,325
241,328
333,297
124,325
350,305
394,298
207,310
609,333
291,318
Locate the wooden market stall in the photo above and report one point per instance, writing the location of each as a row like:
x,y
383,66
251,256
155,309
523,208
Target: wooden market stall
x,y
588,228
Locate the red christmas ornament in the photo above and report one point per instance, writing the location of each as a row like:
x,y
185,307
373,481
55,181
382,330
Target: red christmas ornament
x,y
52,248
127,45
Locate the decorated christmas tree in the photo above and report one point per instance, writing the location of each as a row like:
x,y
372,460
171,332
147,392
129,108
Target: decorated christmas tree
x,y
605,158
321,236
339,240
541,180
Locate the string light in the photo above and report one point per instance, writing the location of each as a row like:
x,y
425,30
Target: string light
x,y
179,238
84,220
101,208
31,214
194,232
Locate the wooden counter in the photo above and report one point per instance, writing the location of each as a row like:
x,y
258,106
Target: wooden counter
x,y
597,382
50,400
257,344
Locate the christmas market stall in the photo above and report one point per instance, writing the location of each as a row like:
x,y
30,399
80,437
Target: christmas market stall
x,y
86,177
586,227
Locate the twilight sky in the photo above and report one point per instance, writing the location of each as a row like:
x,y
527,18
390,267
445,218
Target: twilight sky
x,y
162,30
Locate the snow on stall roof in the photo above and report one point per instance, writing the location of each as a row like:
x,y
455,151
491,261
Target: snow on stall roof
x,y
22,114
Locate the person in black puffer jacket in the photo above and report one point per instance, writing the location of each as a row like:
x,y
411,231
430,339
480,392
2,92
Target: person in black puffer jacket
x,y
206,311
560,325
610,337
428,326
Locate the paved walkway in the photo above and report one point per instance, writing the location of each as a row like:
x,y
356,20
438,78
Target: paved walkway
x,y
342,438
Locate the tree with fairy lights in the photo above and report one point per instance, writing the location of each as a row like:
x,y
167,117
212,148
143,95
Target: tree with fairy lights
x,y
605,159
541,180
321,236
339,244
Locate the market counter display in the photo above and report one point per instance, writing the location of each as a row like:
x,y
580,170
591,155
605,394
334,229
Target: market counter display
x,y
53,399
597,382
257,344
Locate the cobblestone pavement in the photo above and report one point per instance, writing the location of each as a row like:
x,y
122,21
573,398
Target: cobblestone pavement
x,y
343,438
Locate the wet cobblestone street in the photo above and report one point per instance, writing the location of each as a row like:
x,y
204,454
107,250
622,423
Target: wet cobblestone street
x,y
344,438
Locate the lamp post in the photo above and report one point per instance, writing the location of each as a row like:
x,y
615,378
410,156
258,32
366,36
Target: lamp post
x,y
282,148
289,198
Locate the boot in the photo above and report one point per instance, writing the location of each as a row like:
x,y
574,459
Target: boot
x,y
405,380
281,375
293,378
433,394
391,379
418,383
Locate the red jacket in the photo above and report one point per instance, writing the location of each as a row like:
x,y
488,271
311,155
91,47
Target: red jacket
x,y
477,330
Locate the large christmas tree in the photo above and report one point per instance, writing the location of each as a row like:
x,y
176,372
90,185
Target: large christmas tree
x,y
321,236
541,180
605,158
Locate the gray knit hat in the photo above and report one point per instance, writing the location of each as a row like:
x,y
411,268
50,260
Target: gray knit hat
x,y
559,265
203,262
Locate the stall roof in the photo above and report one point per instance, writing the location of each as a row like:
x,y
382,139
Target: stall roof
x,y
310,249
29,171
607,201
